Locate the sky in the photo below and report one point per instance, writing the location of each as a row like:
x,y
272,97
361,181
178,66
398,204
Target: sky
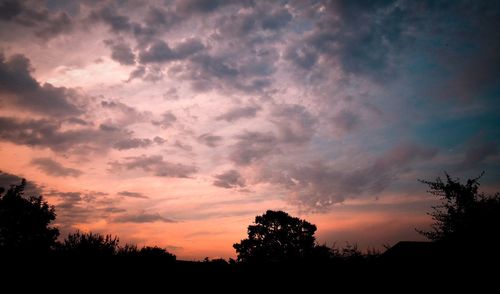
x,y
175,123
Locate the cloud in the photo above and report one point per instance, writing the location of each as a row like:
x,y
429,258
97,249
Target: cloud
x,y
346,121
49,134
183,146
7,179
132,194
237,113
252,146
154,165
200,6
477,153
20,90
294,122
54,168
167,120
122,114
160,51
210,140
41,22
230,179
142,218
132,143
318,185
121,52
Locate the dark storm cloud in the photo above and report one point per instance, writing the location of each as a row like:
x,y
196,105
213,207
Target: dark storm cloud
x,y
210,140
19,89
252,146
237,113
154,165
7,179
54,168
121,52
43,23
142,218
132,194
318,185
160,51
230,179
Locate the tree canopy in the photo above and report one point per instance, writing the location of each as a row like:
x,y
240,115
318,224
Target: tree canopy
x,y
277,236
465,216
25,222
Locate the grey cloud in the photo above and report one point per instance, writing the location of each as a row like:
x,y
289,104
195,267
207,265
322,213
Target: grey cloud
x,y
121,52
229,179
346,121
318,185
159,140
167,120
252,146
44,23
7,179
200,6
154,165
137,73
276,19
477,152
183,146
82,207
132,194
131,143
123,114
142,218
54,168
237,113
19,89
109,15
48,133
160,51
294,122
210,140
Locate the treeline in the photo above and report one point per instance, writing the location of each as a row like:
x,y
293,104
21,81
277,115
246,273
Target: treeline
x,y
466,224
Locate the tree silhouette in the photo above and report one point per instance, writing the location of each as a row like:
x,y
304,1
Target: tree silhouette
x,y
24,222
276,236
466,217
90,244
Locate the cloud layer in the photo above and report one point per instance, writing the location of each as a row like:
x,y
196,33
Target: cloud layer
x,y
128,113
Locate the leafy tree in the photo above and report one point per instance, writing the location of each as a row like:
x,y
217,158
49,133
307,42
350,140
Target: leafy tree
x,y
466,216
90,244
156,252
277,236
24,222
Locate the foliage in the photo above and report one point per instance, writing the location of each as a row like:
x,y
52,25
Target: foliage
x,y
24,222
465,215
276,236
90,244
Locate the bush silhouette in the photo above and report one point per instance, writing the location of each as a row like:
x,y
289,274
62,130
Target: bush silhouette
x,y
24,222
276,236
90,244
466,218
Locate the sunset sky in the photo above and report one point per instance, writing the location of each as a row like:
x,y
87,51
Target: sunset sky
x,y
175,123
